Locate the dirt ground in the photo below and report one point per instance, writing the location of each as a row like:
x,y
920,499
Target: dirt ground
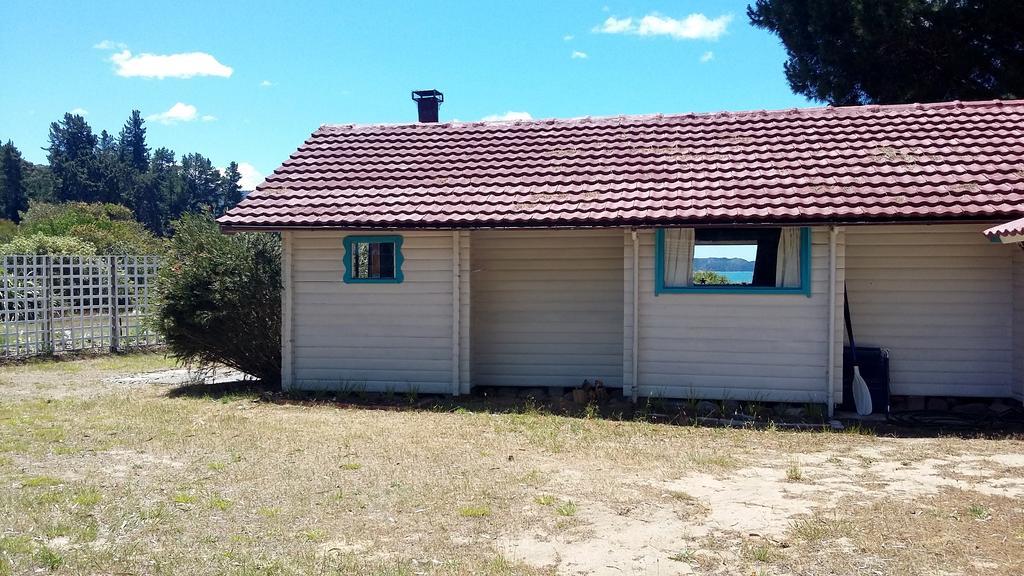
x,y
103,470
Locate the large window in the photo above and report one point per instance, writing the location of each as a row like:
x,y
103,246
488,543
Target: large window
x,y
760,260
373,259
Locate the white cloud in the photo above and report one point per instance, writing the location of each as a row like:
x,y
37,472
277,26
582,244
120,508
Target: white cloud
x,y
251,177
184,65
208,118
568,37
693,27
266,84
79,111
615,25
707,56
577,55
109,45
508,117
180,112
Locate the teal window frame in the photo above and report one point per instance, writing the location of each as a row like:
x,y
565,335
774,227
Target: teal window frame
x,y
805,273
351,241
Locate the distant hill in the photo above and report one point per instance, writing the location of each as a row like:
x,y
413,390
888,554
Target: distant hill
x,y
723,264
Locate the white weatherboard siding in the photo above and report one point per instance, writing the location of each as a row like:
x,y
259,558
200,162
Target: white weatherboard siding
x,y
547,307
940,298
375,337
769,347
1018,322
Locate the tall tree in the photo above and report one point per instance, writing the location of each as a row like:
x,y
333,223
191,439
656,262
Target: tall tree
x,y
153,200
230,188
132,143
72,156
898,51
14,197
200,182
116,179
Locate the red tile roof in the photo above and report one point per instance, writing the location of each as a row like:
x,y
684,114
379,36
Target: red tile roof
x,y
871,163
1014,228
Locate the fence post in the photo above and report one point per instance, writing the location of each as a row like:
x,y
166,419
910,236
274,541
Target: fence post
x,y
47,305
115,324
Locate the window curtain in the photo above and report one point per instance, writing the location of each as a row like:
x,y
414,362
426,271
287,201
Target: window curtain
x,y
787,266
678,257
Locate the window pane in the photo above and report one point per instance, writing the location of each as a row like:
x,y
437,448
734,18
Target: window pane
x,y
374,260
724,264
360,257
739,257
387,260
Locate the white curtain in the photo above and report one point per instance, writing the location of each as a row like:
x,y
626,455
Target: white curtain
x,y
678,257
787,267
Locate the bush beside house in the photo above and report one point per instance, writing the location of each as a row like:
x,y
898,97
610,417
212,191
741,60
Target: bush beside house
x,y
219,298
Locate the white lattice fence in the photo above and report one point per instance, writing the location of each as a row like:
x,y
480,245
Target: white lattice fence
x,y
55,304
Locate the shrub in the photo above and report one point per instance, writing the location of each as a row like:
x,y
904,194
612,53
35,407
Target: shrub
x,y
219,298
43,244
703,277
111,228
8,230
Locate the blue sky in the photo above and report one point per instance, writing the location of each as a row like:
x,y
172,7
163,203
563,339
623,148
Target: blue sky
x,y
249,81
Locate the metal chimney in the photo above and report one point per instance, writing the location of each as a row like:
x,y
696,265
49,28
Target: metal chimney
x,y
428,102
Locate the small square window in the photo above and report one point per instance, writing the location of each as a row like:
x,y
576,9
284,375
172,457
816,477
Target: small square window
x,y
373,259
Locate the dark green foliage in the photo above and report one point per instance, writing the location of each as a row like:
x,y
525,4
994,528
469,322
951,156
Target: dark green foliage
x,y
73,161
13,193
898,51
231,189
111,228
85,167
39,182
131,143
219,298
201,184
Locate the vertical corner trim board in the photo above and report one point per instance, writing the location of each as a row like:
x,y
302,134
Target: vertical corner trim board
x,y
287,363
456,306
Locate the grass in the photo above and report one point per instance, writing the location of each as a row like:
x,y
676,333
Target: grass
x,y
566,509
794,473
478,511
979,512
685,555
102,479
40,482
819,528
184,498
217,502
49,558
545,500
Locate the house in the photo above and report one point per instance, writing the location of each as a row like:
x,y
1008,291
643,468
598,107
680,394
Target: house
x,y
439,257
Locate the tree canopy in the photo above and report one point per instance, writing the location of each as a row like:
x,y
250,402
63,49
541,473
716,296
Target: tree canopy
x,y
846,52
98,168
13,192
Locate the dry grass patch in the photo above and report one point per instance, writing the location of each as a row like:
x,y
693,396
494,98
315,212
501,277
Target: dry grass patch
x,y
101,478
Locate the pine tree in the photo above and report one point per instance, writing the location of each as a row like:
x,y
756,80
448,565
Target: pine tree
x,y
201,184
132,143
73,162
898,51
230,188
155,202
14,198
